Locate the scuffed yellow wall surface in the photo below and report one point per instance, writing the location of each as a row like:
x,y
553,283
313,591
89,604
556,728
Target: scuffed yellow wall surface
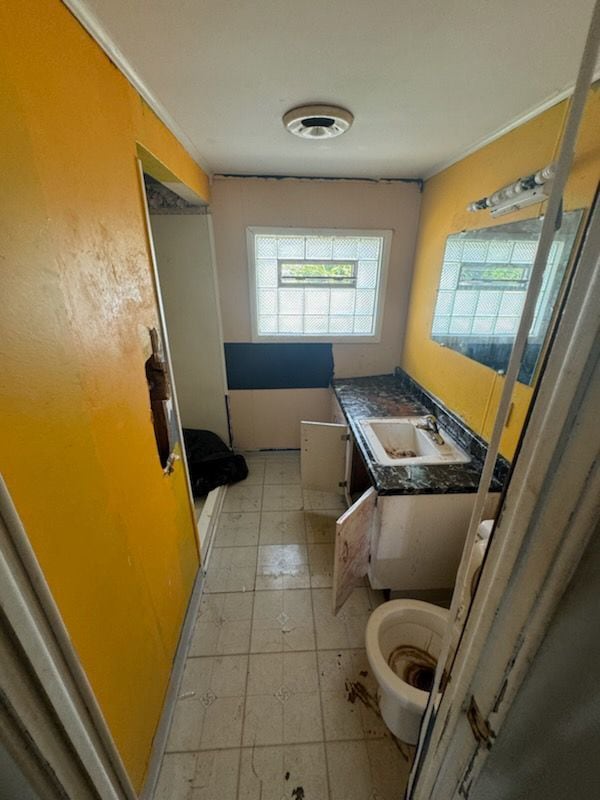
x,y
114,536
469,388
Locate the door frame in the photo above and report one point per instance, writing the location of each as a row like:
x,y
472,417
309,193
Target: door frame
x,y
167,352
215,272
550,511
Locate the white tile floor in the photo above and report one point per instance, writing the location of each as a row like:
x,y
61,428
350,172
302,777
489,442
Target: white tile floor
x,y
266,709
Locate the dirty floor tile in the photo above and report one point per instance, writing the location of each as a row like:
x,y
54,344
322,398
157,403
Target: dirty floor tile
x,y
241,497
176,776
316,501
349,692
282,620
282,527
238,529
349,771
232,569
275,773
277,699
216,775
208,711
223,625
320,525
320,558
282,498
346,629
284,471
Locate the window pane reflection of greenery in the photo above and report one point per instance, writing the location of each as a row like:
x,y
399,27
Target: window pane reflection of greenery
x,y
317,273
492,276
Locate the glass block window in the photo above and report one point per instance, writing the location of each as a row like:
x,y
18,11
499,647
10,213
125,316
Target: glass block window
x,y
317,284
483,286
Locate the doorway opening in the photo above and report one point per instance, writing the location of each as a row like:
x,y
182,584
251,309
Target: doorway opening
x,y
180,228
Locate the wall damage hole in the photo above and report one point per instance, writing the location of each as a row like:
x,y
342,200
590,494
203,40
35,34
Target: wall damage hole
x,y
159,392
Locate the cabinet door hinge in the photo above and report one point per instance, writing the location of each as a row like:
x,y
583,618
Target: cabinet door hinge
x,y
345,437
480,726
343,484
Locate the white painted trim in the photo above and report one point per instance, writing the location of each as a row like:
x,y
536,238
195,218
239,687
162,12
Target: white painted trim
x,y
553,100
38,627
207,523
189,195
162,731
385,235
98,32
215,272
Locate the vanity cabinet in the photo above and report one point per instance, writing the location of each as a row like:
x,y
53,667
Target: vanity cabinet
x,y
401,541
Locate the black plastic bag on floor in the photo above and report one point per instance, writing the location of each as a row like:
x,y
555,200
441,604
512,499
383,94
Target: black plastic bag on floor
x,y
211,463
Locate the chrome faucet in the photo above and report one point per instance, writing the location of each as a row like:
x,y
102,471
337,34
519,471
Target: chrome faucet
x,y
430,426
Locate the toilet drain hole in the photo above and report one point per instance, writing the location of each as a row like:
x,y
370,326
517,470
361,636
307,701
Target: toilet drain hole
x,y
413,665
421,678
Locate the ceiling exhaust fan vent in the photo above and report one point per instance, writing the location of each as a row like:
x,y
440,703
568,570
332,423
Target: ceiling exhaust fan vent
x,y
317,122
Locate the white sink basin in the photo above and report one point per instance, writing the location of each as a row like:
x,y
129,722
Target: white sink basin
x,y
397,441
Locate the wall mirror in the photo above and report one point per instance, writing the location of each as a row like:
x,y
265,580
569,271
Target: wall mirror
x,y
482,289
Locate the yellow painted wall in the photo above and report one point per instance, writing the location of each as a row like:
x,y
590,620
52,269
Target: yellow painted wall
x,y
114,536
469,388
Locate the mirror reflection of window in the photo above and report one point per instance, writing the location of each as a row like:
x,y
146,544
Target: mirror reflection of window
x,y
483,282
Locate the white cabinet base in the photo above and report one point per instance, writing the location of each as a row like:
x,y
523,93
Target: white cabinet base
x,y
407,543
419,540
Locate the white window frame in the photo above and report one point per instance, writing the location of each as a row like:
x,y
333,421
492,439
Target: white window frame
x,y
386,237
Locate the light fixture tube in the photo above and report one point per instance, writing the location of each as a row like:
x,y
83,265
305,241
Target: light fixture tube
x,y
523,192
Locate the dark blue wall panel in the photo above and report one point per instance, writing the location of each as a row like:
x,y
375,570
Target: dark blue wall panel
x,y
278,366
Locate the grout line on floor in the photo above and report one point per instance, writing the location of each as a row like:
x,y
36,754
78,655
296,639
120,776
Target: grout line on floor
x,y
239,775
312,608
281,745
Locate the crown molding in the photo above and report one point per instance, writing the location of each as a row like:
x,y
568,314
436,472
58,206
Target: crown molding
x,y
98,32
516,122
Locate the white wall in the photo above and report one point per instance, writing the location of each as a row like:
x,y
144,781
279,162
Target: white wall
x,y
238,203
190,298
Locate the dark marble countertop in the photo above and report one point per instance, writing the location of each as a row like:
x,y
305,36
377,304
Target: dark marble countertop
x,y
400,396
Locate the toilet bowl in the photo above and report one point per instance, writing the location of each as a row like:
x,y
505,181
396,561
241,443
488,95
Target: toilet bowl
x,y
404,638
403,642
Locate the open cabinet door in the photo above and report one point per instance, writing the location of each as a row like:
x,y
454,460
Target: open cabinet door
x,y
323,456
352,545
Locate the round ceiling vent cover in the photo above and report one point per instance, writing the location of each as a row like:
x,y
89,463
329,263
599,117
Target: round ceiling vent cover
x,y
317,122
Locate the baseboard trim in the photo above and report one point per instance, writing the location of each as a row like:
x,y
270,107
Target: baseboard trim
x,y
208,522
162,731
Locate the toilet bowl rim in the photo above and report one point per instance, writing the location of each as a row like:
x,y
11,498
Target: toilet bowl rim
x,y
386,677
